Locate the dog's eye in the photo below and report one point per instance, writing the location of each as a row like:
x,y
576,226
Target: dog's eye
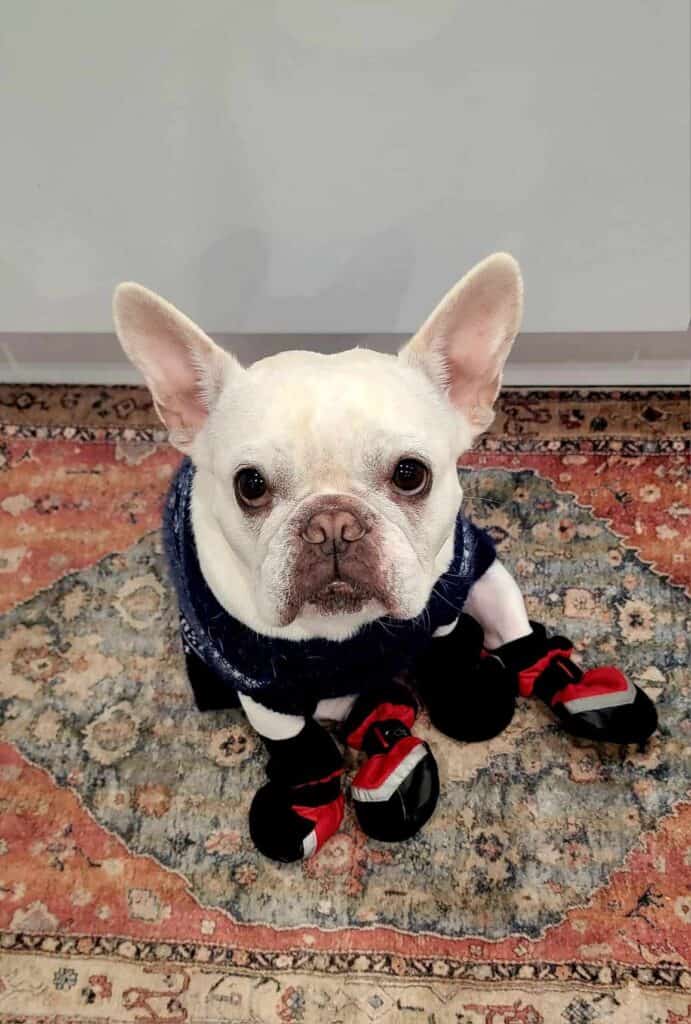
x,y
410,476
251,488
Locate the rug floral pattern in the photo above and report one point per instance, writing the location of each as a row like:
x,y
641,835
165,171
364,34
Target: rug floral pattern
x,y
123,810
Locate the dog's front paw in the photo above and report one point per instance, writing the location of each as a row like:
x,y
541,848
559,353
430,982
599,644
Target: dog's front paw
x,y
599,704
396,790
469,694
301,806
285,829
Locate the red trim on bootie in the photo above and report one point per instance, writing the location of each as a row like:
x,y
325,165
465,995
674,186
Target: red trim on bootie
x,y
327,818
597,682
379,767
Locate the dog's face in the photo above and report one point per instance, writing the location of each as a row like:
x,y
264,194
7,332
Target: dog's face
x,y
331,479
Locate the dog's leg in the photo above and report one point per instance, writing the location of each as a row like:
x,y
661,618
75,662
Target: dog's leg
x,y
334,709
271,725
301,806
484,702
210,692
599,704
496,602
500,653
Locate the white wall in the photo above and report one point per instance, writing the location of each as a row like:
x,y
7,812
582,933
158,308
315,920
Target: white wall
x,y
305,165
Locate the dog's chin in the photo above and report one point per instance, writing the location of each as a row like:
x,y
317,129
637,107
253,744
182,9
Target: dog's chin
x,y
329,601
339,597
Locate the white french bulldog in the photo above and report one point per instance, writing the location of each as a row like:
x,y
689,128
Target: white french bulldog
x,y
323,500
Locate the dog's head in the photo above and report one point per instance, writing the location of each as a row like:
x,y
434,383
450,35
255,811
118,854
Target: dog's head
x,y
331,479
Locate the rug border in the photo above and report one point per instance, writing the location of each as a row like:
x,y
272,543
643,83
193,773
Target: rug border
x,y
666,975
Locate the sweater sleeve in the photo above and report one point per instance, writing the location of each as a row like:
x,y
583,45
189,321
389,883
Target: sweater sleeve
x,y
474,552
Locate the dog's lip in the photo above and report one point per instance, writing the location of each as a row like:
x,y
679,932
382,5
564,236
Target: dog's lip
x,y
338,587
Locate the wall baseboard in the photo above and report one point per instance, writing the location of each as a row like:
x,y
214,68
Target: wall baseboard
x,y
640,373
538,360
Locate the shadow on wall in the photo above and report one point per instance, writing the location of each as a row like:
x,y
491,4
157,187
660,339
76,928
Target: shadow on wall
x,y
238,266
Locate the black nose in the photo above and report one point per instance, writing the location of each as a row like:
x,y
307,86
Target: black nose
x,y
333,530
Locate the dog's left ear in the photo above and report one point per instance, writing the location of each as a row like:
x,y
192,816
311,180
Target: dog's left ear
x,y
464,343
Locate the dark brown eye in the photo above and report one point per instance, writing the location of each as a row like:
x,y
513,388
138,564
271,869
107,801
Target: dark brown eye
x,y
410,476
251,488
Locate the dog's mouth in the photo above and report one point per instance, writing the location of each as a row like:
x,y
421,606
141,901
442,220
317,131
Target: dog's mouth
x,y
338,597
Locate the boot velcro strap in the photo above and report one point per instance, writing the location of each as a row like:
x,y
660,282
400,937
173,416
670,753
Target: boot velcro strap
x,y
383,712
531,677
382,736
321,791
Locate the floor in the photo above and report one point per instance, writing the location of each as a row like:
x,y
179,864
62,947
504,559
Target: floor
x,y
551,885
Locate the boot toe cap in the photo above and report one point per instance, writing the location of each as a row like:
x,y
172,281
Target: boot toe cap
x,y
403,813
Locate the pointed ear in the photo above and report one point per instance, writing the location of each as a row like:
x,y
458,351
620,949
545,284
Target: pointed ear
x,y
464,343
183,368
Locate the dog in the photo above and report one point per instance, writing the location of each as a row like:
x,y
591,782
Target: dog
x,y
318,551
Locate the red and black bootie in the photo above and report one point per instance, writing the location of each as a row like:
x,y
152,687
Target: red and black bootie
x,y
301,806
396,790
599,704
469,696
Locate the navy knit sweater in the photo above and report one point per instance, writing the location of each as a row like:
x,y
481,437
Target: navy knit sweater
x,y
293,675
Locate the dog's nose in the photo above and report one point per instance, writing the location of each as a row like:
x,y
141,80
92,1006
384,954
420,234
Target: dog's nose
x,y
333,530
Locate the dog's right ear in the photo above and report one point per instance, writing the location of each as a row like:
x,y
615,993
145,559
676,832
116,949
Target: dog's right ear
x,y
184,369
